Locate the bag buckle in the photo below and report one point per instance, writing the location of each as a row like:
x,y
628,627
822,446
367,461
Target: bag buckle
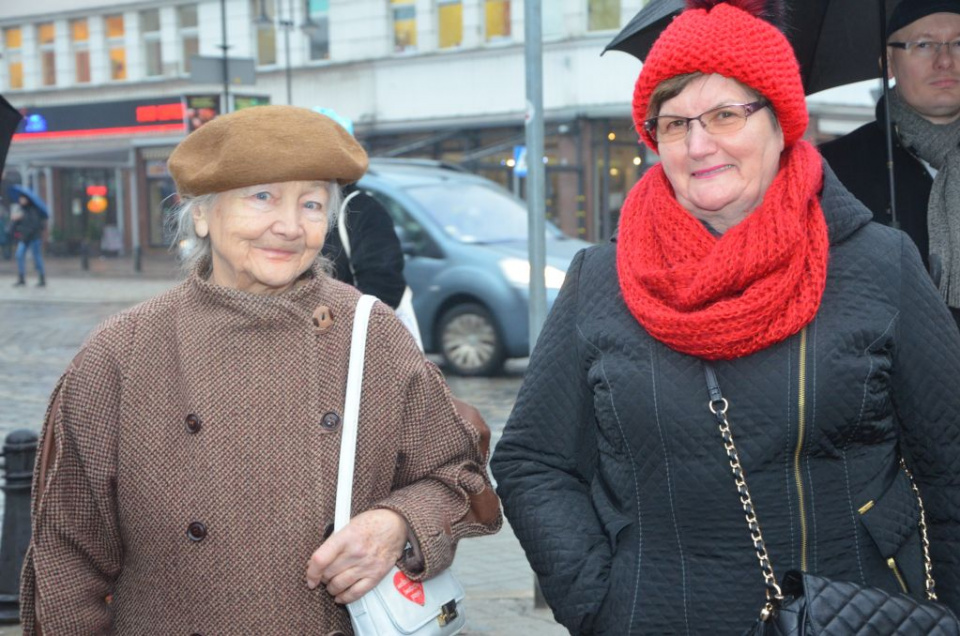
x,y
448,613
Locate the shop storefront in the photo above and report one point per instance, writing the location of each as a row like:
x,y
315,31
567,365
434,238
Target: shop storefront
x,y
92,171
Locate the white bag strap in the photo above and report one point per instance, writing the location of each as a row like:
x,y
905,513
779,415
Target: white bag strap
x,y
351,412
342,229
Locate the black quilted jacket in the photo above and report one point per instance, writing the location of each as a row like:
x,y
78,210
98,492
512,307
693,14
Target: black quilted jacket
x,y
614,478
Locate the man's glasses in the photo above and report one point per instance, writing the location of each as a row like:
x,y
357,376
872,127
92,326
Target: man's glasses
x,y
927,48
716,121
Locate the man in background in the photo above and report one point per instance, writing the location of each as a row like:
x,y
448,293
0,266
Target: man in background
x,y
923,53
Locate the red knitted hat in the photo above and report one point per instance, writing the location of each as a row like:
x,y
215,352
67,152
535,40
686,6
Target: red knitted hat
x,y
726,38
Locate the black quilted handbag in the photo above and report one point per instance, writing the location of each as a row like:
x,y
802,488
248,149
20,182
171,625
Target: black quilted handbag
x,y
809,605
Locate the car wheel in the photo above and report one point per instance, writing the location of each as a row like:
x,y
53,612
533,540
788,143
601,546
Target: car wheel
x,y
469,341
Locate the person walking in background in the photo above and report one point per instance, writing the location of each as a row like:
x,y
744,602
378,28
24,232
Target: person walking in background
x,y
27,226
6,227
923,53
188,468
366,253
374,264
741,252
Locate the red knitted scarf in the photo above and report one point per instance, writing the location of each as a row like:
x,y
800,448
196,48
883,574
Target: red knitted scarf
x,y
721,298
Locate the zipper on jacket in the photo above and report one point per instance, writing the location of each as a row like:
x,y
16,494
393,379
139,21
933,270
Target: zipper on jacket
x,y
892,564
801,430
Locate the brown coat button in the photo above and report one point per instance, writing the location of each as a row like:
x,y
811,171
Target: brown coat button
x,y
196,531
322,318
192,423
330,422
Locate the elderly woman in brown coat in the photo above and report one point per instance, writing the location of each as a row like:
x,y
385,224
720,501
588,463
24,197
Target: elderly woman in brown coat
x,y
190,451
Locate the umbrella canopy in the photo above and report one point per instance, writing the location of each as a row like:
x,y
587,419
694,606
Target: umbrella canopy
x,y
837,42
16,191
9,120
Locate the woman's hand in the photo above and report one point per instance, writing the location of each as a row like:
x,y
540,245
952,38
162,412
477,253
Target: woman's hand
x,y
354,559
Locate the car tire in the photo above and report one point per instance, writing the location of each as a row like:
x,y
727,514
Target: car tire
x,y
470,341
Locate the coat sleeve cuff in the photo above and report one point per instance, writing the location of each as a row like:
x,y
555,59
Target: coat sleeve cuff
x,y
430,534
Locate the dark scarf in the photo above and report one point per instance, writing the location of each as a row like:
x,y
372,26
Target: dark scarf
x,y
938,145
726,297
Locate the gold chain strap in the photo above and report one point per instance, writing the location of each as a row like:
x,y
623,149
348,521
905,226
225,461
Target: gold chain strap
x,y
774,594
924,540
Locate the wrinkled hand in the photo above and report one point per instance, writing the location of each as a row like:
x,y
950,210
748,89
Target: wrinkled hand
x,y
354,559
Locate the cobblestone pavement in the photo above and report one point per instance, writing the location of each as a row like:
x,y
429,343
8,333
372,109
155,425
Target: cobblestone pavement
x,y
42,329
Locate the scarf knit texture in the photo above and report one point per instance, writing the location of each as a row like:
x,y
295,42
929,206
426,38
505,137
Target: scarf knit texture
x,y
938,145
727,297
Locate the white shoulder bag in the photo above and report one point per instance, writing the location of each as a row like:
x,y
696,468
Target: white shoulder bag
x,y
404,310
397,605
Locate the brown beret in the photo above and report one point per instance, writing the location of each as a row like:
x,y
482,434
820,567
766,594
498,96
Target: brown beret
x,y
265,144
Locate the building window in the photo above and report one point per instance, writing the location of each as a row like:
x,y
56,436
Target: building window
x,y
266,31
48,57
150,33
116,47
497,19
450,23
79,44
603,15
404,25
12,42
189,40
318,28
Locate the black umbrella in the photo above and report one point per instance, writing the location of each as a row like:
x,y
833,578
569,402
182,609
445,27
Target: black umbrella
x,y
9,119
836,42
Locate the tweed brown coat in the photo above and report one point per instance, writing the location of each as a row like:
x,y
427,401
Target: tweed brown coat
x,y
197,440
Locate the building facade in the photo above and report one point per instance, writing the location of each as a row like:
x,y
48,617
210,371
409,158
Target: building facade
x,y
108,89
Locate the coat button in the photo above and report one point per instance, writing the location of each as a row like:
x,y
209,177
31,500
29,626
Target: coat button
x,y
192,423
322,318
196,531
330,422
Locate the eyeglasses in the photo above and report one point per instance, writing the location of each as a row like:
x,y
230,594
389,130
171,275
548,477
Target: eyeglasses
x,y
927,49
716,121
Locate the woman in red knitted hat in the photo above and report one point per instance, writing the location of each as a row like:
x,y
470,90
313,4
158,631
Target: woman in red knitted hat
x,y
742,252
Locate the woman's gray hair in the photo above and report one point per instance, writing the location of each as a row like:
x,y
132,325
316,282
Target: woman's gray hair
x,y
191,249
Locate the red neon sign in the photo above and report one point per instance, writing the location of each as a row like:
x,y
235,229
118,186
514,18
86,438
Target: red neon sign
x,y
96,191
160,112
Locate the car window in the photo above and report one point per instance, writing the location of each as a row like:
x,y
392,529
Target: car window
x,y
473,212
409,230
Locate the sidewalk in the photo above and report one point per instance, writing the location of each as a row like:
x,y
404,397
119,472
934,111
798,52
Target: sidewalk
x,y
493,570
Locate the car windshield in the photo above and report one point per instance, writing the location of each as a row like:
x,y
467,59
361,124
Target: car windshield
x,y
474,213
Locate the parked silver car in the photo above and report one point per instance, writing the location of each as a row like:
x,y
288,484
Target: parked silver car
x,y
465,240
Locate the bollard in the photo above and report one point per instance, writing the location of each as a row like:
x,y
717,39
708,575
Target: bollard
x,y
137,259
84,256
19,453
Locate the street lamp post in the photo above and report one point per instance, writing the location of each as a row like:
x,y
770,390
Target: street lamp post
x,y
225,108
287,27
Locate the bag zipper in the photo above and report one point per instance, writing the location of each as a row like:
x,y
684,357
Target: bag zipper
x,y
892,564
